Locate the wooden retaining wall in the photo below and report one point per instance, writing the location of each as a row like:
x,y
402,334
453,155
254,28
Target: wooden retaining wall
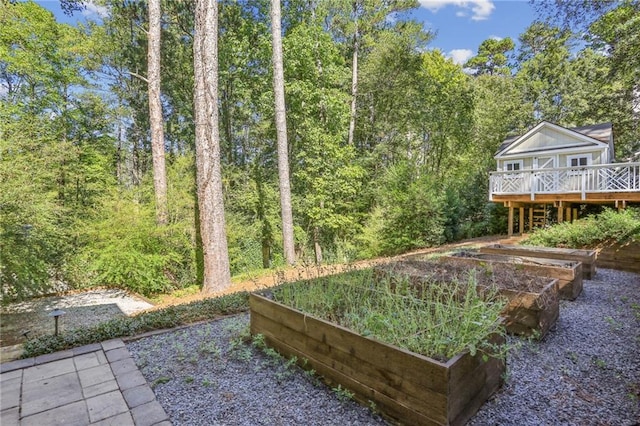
x,y
568,273
587,257
411,388
625,257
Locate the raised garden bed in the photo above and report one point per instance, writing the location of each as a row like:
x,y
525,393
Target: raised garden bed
x,y
406,386
586,257
533,305
567,272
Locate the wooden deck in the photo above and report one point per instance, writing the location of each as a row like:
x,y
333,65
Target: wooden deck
x,y
564,188
601,184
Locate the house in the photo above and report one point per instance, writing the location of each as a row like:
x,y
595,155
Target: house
x,y
554,167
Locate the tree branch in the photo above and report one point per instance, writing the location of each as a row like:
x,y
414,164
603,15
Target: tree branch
x,y
139,76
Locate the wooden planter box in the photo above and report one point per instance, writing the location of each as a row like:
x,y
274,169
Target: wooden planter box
x,y
409,387
587,257
621,256
568,273
532,311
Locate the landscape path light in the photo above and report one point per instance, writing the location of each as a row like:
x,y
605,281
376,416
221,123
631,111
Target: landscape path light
x,y
56,313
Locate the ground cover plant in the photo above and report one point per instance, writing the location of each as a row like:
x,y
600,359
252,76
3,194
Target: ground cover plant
x,y
591,231
169,317
439,321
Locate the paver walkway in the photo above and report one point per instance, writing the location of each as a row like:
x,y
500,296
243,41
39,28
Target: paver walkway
x,y
96,384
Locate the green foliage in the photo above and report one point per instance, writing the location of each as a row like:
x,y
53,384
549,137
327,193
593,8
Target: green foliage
x,y
245,248
170,317
56,157
412,212
343,394
32,243
608,226
123,247
75,175
491,58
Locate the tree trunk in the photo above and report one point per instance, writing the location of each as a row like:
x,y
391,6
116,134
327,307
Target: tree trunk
x,y
317,248
281,130
217,275
354,79
156,120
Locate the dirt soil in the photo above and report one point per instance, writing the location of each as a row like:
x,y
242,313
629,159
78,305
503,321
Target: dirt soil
x,y
502,276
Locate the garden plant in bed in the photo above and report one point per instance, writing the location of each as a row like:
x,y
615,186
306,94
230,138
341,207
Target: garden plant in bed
x,y
422,357
533,305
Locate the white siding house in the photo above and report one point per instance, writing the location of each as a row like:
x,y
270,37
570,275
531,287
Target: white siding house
x,y
565,167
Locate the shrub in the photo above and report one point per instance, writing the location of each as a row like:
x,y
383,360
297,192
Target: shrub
x,y
412,212
123,247
607,226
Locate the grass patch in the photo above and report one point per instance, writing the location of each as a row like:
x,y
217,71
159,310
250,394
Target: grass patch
x,y
591,231
438,321
169,317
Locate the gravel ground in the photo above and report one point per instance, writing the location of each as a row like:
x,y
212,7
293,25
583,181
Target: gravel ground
x,y
209,375
81,310
585,372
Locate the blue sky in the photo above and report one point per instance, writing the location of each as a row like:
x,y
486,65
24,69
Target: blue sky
x,y
461,25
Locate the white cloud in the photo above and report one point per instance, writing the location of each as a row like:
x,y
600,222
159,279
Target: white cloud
x,y
481,9
460,56
93,9
495,37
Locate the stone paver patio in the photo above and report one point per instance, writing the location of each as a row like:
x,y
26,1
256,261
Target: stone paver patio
x,y
96,384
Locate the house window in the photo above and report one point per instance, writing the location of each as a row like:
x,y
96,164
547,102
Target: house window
x,y
513,166
579,160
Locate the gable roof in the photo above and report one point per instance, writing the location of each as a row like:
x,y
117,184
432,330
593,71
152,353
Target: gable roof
x,y
601,132
598,132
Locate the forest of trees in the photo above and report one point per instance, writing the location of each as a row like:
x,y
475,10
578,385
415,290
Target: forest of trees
x,y
388,142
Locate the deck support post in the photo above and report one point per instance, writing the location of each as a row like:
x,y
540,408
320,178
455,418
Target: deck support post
x,y
575,213
531,218
521,220
560,212
510,222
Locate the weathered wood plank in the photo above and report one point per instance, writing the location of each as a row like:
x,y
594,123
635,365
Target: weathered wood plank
x,y
567,272
345,361
624,257
387,406
397,360
473,384
409,387
587,257
420,399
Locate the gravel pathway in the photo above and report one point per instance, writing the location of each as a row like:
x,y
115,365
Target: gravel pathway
x,y
585,372
210,375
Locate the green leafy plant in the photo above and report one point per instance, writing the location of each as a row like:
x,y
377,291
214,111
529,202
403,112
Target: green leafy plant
x,y
607,226
160,381
343,394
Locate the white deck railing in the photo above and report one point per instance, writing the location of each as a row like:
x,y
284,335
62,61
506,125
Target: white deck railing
x,y
617,177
